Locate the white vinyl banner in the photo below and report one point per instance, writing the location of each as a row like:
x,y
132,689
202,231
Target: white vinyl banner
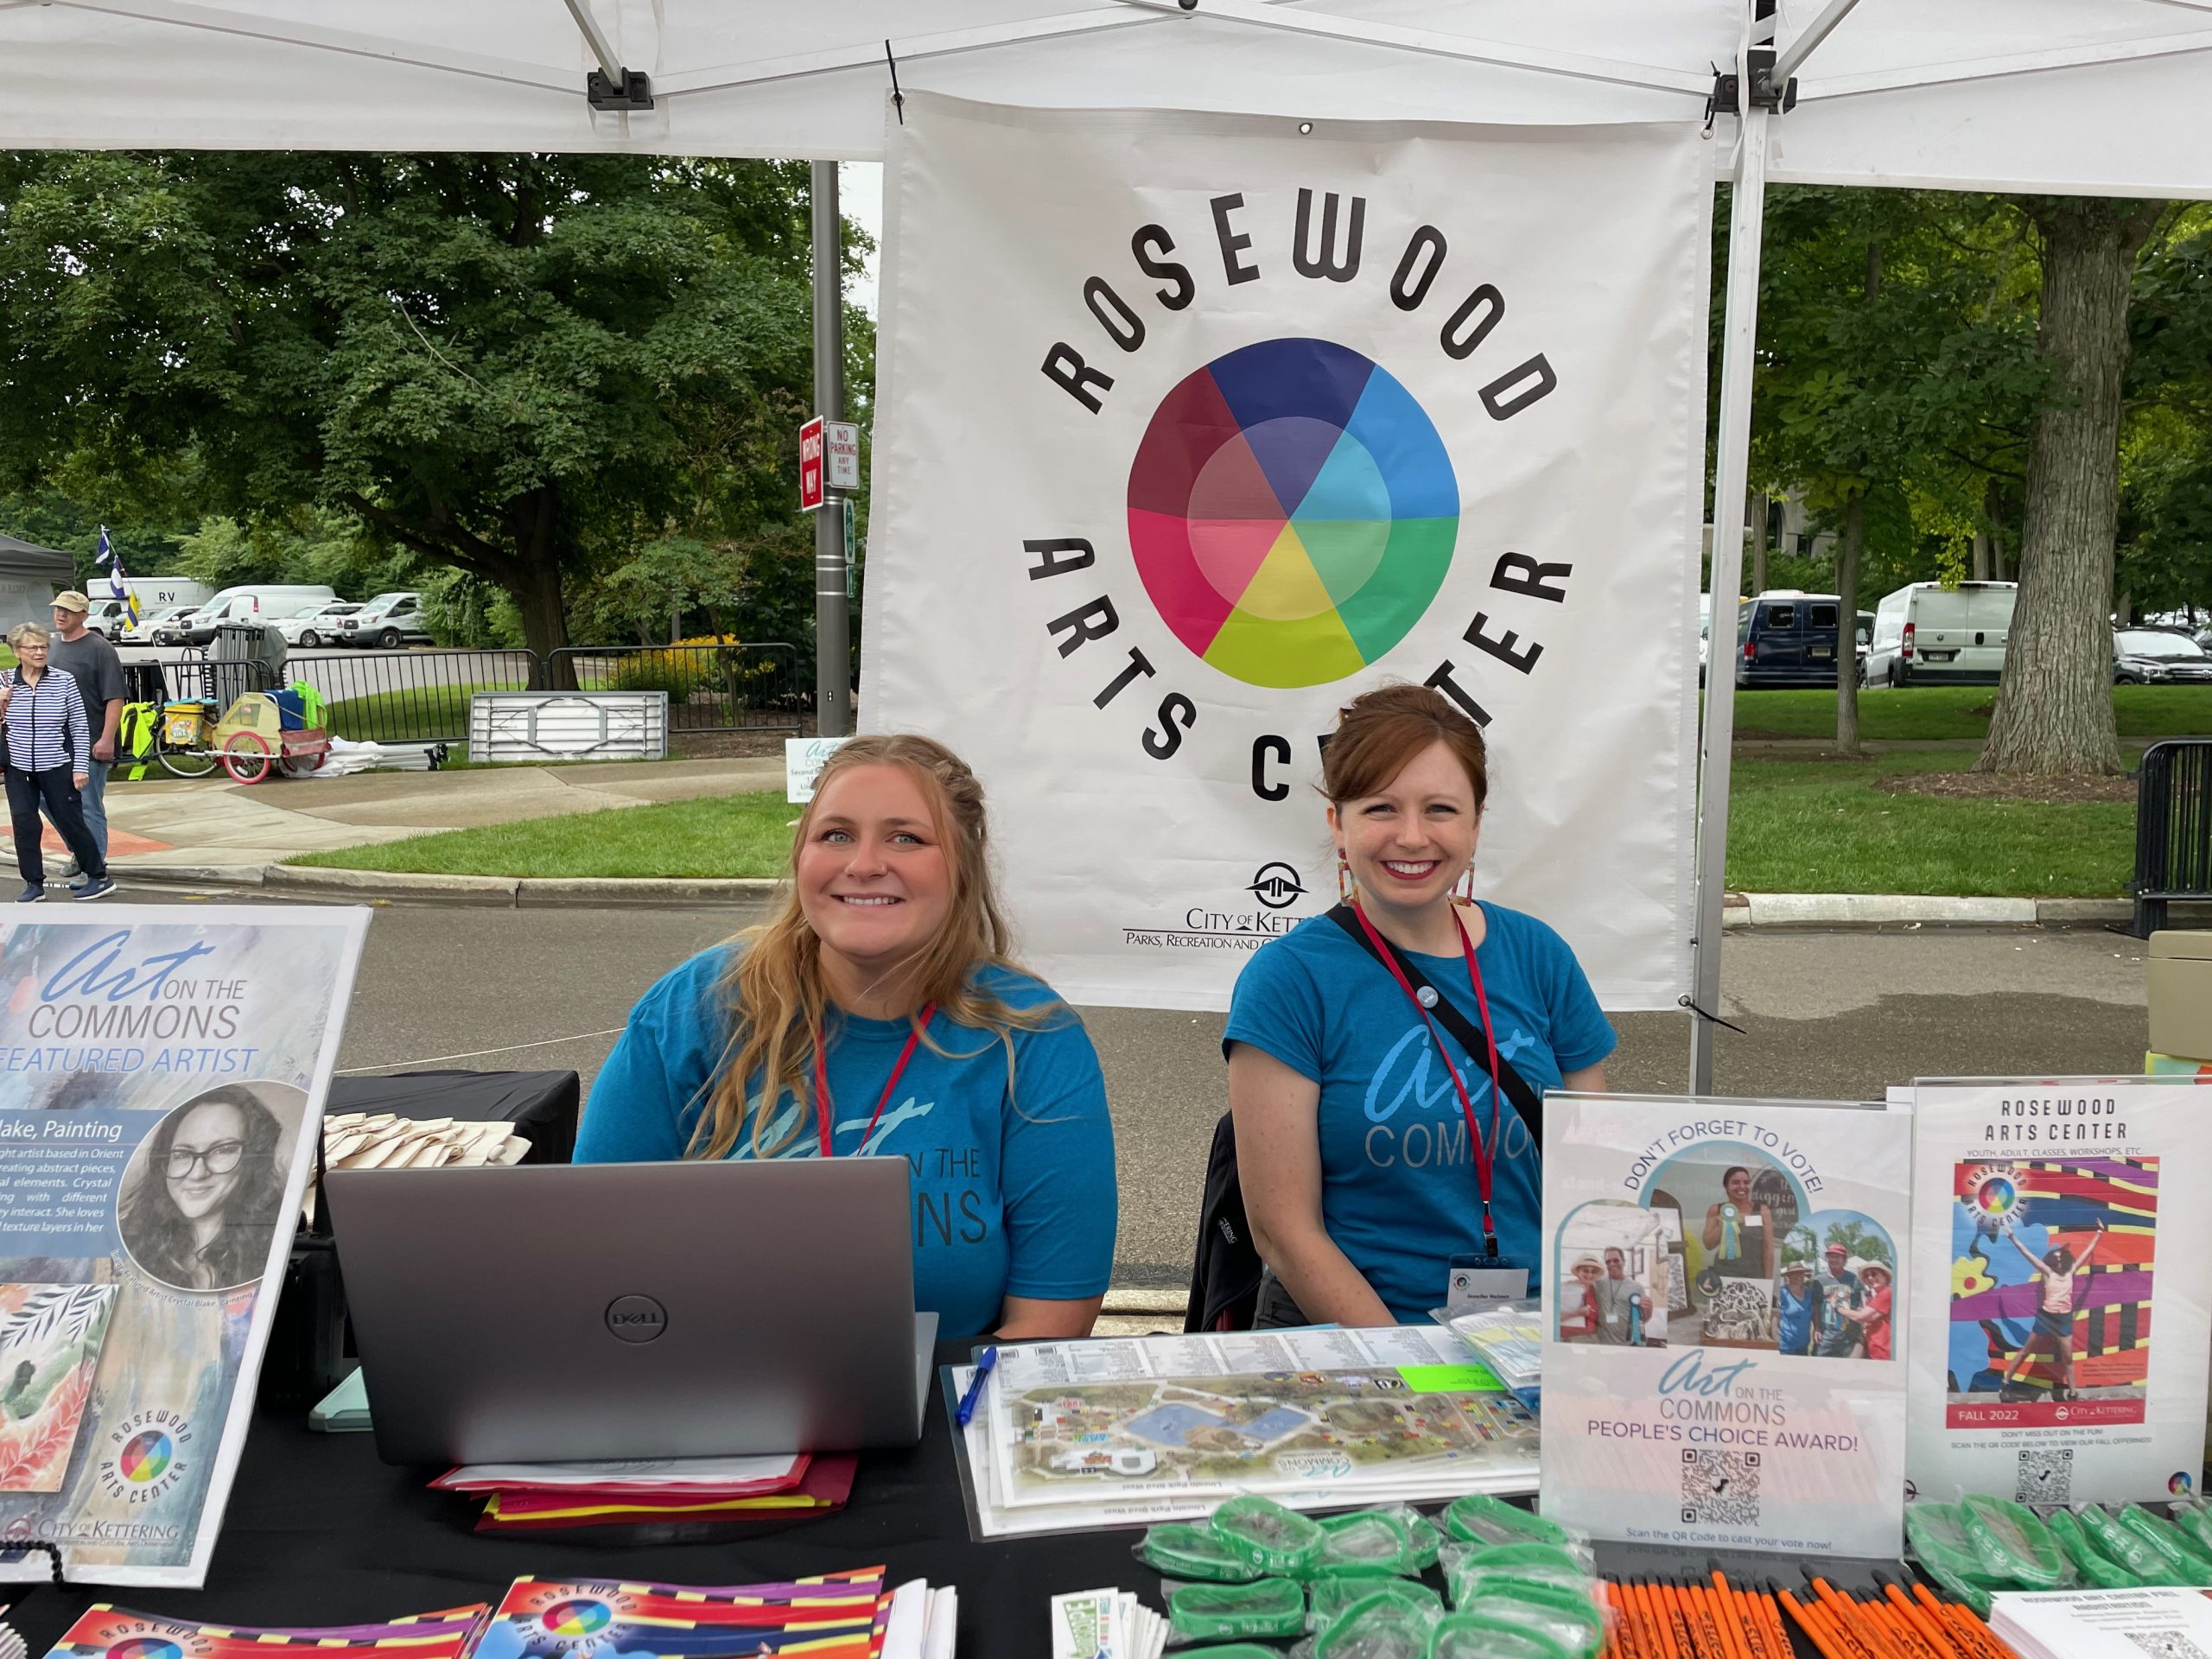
x,y
1192,427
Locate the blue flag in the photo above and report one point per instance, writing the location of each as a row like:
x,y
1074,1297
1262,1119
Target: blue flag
x,y
117,583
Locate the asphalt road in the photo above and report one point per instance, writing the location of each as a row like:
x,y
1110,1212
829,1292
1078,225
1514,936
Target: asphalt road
x,y
1826,1015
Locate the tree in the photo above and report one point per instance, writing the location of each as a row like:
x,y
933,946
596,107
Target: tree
x,y
518,367
1863,1240
2053,709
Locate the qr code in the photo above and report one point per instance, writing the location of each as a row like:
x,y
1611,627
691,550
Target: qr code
x,y
2166,1644
1720,1487
2046,1477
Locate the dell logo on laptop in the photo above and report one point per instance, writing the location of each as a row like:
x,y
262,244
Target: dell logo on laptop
x,y
636,1319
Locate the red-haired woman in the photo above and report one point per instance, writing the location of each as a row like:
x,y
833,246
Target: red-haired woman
x,y
1374,1146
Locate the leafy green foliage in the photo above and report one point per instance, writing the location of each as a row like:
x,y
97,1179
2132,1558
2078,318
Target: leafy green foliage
x,y
522,368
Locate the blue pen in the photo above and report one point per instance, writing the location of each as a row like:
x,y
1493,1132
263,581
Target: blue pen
x,y
967,1407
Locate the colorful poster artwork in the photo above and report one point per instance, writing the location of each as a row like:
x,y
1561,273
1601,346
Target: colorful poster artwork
x,y
161,1079
2065,1303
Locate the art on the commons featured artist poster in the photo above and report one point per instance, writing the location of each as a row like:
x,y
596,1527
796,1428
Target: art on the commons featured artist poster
x,y
1726,1282
162,1080
1194,427
2061,1356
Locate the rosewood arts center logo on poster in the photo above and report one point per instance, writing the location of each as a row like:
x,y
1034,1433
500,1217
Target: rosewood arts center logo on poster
x,y
1291,508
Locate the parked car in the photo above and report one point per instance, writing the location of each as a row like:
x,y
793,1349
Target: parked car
x,y
389,620
1926,633
2159,657
254,603
149,627
110,617
315,624
1786,638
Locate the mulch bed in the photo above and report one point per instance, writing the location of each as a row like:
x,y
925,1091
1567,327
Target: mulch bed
x,y
1987,786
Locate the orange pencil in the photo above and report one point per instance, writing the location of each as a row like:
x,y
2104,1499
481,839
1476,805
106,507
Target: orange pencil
x,y
1659,1620
1975,1638
1813,1628
1777,1633
1678,1620
1935,1636
1725,1615
1628,1627
1700,1639
1847,1626
1647,1636
1746,1622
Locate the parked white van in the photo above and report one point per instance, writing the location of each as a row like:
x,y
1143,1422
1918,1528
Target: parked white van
x,y
253,604
1927,634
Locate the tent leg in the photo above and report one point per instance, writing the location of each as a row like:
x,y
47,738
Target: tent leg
x,y
1739,337
833,696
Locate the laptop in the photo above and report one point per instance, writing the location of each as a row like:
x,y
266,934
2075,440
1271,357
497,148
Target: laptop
x,y
557,1312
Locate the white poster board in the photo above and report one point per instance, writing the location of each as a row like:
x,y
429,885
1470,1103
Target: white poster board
x,y
162,1080
1194,427
2064,1247
1771,1413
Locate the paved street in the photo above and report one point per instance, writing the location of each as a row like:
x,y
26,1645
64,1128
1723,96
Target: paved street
x,y
1826,1015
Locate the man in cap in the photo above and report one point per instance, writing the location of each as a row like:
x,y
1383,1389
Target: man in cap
x,y
1793,1310
93,662
1622,1305
1842,1294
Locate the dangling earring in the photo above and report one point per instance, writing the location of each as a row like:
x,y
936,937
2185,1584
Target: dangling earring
x,y
1343,880
1466,893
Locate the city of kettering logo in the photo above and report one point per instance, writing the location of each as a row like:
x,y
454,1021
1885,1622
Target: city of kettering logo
x,y
1277,885
1293,513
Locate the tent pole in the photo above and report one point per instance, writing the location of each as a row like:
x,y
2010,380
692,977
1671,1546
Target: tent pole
x,y
1788,63
833,696
595,38
1740,338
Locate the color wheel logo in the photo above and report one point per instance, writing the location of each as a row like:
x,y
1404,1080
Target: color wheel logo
x,y
145,1458
145,1647
576,1618
1292,511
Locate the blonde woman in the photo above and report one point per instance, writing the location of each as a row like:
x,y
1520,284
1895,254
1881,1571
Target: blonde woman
x,y
879,1013
49,748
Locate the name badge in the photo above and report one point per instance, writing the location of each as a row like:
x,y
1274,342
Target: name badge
x,y
1475,1282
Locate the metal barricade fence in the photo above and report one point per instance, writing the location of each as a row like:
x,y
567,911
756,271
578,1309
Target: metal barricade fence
x,y
2173,830
382,696
711,687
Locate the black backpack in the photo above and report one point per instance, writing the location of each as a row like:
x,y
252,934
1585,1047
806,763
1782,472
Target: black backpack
x,y
1225,1269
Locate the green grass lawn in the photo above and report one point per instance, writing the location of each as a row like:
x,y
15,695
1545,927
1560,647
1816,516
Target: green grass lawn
x,y
1794,826
737,834
1817,826
1959,712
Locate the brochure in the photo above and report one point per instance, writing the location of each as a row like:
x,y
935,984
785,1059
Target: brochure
x,y
1724,1284
836,1615
162,1079
2104,1624
1127,1430
2066,1263
105,1632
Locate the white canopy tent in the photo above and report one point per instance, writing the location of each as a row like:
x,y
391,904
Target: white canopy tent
x,y
2065,96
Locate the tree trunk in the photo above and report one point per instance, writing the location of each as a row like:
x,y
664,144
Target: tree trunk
x,y
1846,628
1758,545
1981,556
539,596
2054,710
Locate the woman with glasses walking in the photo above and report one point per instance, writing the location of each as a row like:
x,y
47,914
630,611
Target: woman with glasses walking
x,y
49,750
199,1214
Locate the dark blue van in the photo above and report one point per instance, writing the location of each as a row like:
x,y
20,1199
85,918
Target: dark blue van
x,y
1786,639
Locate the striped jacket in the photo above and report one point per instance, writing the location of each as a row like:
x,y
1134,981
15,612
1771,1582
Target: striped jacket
x,y
46,722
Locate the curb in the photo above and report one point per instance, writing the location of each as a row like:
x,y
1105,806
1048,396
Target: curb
x,y
494,891
1831,910
1741,910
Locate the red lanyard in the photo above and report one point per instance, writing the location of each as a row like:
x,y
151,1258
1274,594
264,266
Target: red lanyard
x,y
1484,1152
822,1108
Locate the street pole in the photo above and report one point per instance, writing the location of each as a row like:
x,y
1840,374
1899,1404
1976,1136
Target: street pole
x,y
1731,488
833,695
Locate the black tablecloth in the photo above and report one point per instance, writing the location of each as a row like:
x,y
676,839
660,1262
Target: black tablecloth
x,y
320,1532
542,1105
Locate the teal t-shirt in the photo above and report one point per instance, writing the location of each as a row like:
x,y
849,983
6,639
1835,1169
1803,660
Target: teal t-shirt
x,y
1398,1189
1012,1185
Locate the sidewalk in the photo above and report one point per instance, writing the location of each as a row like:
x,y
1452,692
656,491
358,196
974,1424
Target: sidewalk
x,y
211,828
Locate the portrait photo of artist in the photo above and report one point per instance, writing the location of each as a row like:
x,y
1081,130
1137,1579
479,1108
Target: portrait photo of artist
x,y
204,1191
